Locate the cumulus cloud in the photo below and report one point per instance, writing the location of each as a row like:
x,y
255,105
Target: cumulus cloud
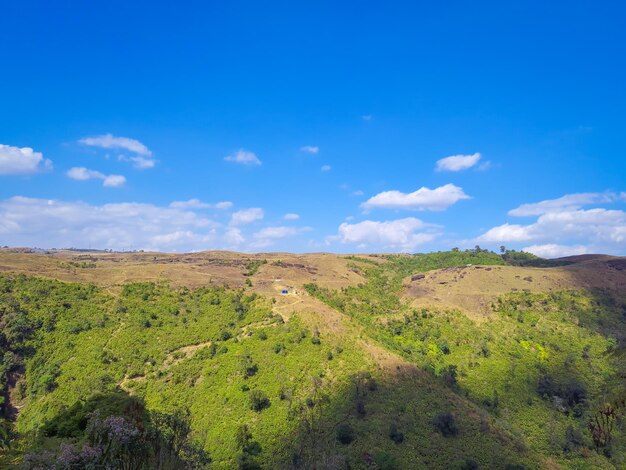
x,y
109,141
243,157
326,168
84,174
591,224
567,202
457,162
437,199
562,227
552,250
198,204
269,235
276,232
233,237
291,216
312,149
401,234
21,161
119,226
114,181
247,216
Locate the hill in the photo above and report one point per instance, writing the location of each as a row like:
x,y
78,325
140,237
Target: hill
x,y
228,360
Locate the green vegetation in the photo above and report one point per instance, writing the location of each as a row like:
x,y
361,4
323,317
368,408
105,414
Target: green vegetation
x,y
541,358
252,266
145,375
522,258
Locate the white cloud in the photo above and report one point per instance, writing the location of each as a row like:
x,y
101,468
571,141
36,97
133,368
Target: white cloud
x,y
114,181
457,162
143,163
243,157
120,226
223,205
401,234
367,117
291,216
567,202
276,232
142,155
312,149
591,225
21,161
326,168
563,227
269,235
552,250
507,233
198,204
247,216
358,192
437,199
84,174
109,141
234,237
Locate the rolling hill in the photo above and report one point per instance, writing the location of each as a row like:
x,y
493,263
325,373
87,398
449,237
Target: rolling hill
x,y
460,359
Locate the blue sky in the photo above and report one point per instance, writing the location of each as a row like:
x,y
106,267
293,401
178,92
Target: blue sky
x,y
124,125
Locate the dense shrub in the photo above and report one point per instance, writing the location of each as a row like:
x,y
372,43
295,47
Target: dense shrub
x,y
446,424
344,433
258,400
395,435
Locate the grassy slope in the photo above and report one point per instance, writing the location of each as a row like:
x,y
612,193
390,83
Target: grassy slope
x,y
497,364
86,340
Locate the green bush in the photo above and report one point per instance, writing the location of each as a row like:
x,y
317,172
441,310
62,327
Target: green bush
x,y
446,424
258,400
344,433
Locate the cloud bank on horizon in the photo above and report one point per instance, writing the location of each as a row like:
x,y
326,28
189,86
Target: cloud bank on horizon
x,y
562,226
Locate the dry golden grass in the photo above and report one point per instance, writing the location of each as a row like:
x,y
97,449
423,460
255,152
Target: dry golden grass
x,y
471,289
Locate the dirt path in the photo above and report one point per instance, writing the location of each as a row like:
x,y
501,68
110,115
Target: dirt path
x,y
282,307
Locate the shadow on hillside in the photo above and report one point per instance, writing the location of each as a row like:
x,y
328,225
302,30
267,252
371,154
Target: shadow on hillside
x,y
115,430
391,423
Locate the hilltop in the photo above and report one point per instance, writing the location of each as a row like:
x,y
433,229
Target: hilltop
x,y
276,360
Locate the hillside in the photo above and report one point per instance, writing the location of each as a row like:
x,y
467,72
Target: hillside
x,y
226,360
